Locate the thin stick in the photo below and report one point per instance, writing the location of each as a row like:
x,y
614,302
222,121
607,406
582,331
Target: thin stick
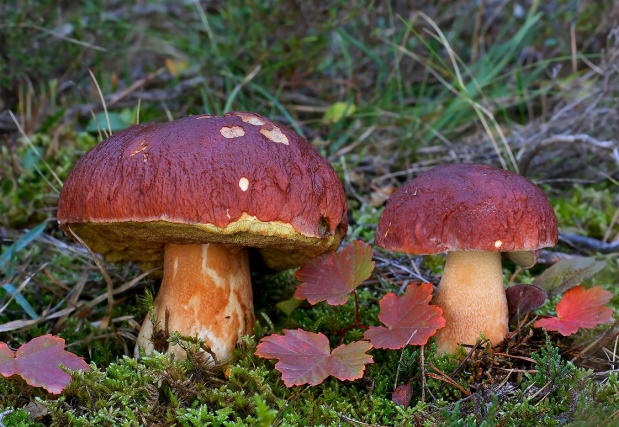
x,y
290,400
397,372
468,356
448,380
528,359
423,376
2,415
355,422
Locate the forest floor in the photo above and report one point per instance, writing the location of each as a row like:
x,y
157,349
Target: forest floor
x,y
384,90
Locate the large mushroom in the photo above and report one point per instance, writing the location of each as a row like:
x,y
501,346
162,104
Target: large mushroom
x,y
474,213
192,195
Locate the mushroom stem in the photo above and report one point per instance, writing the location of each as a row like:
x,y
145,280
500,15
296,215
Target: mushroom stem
x,y
207,291
472,296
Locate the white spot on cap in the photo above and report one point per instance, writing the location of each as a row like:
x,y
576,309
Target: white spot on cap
x,y
251,119
228,213
275,135
206,116
244,183
498,244
232,131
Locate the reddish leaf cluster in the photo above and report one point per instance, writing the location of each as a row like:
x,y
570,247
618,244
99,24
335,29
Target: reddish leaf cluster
x,y
38,362
305,357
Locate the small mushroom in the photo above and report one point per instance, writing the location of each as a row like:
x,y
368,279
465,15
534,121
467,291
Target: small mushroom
x,y
475,213
209,190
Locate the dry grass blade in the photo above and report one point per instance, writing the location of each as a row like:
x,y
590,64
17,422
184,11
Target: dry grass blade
x,y
107,117
19,324
447,380
31,145
110,286
353,422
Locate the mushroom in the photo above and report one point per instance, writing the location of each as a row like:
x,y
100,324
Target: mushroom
x,y
192,195
473,212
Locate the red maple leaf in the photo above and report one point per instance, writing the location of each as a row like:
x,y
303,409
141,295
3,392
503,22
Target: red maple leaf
x,y
579,309
409,319
38,363
306,357
333,276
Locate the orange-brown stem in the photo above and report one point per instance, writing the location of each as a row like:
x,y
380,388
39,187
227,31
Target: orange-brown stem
x,y
207,290
472,297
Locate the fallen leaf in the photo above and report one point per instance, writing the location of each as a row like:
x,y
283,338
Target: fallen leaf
x,y
38,363
522,298
579,309
403,394
306,357
409,318
333,276
567,273
338,111
289,306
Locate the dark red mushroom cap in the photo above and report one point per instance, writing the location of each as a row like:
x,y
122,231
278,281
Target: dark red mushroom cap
x,y
241,180
463,206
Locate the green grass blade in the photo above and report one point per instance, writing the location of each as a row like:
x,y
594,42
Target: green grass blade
x,y
21,300
20,244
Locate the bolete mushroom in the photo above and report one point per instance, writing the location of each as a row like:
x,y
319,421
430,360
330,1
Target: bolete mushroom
x,y
473,212
193,194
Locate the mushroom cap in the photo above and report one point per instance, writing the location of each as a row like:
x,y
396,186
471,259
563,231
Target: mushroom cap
x,y
463,207
240,180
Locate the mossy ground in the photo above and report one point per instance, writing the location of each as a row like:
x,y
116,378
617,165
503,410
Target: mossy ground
x,y
307,64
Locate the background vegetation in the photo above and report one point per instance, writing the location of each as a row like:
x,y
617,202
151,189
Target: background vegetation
x,y
385,90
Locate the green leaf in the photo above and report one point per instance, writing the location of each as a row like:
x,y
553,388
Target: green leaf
x,y
338,111
289,306
21,300
118,121
568,273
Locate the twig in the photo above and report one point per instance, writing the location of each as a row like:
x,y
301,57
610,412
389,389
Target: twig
x,y
584,242
290,400
397,372
528,156
2,415
528,359
447,380
530,371
468,356
450,380
423,377
526,316
355,422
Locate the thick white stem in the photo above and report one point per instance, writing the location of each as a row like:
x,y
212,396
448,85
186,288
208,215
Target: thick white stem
x,y
207,290
472,296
